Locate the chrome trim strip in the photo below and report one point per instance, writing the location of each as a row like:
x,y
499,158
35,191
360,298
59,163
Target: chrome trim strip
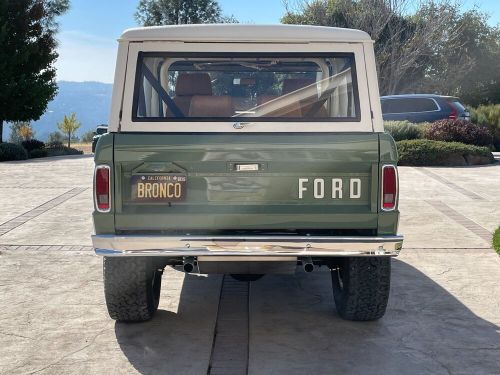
x,y
283,246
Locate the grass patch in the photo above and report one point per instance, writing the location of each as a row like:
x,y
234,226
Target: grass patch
x,y
424,152
496,241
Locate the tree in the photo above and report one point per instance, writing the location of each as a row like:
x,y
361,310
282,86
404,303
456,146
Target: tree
x,y
27,56
69,126
180,12
26,132
55,139
404,43
21,131
87,137
469,65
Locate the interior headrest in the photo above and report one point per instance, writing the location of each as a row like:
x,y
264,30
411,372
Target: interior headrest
x,y
189,84
290,85
211,106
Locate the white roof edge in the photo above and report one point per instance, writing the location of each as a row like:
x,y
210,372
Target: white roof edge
x,y
246,33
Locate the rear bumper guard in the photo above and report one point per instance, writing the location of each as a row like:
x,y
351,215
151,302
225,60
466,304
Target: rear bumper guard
x,y
262,246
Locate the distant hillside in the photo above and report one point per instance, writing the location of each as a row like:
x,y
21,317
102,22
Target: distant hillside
x,y
90,101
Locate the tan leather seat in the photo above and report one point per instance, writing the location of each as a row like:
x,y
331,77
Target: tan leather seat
x,y
187,86
211,106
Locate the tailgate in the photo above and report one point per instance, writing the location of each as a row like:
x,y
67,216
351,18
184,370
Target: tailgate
x,y
246,182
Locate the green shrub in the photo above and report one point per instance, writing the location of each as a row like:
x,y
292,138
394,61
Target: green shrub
x,y
486,114
54,144
33,144
459,131
38,153
424,152
402,130
12,151
63,150
496,240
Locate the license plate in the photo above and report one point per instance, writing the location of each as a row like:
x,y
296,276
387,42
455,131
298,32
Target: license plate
x,y
158,188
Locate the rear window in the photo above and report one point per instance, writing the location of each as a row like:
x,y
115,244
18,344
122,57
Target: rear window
x,y
459,106
404,105
277,87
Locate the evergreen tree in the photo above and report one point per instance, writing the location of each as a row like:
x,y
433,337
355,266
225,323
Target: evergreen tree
x,y
180,12
27,56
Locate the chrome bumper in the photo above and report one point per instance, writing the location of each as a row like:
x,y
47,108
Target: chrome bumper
x,y
275,246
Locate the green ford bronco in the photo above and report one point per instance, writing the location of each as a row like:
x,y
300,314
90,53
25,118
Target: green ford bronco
x,y
246,150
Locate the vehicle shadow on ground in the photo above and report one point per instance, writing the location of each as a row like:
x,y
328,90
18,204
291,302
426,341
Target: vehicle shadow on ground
x,y
294,330
177,341
426,330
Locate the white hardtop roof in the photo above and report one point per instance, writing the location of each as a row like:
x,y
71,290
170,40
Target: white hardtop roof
x,y
245,33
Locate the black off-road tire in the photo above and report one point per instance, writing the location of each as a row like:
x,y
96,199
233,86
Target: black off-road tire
x,y
247,277
361,287
132,288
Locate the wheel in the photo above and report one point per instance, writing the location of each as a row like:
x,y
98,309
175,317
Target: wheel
x,y
132,288
247,277
361,287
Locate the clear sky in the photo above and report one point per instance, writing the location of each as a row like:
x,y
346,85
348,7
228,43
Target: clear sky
x,y
87,38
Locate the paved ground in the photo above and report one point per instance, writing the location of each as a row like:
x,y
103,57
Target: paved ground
x,y
443,316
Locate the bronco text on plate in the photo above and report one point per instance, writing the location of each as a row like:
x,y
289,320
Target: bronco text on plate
x,y
336,188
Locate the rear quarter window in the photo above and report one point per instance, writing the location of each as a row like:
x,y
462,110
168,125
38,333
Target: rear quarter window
x,y
458,105
405,105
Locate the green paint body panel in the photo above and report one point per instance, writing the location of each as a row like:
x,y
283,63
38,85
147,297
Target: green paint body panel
x,y
221,198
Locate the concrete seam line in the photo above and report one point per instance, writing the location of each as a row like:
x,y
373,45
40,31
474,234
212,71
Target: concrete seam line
x,y
37,211
230,345
465,222
451,184
215,327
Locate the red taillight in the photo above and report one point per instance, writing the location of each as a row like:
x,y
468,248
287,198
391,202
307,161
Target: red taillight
x,y
389,187
101,188
454,114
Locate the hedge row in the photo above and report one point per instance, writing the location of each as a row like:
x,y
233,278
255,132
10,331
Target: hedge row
x,y
404,130
33,149
12,151
424,152
459,131
488,115
442,130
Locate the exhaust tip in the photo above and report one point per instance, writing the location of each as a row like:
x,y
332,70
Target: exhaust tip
x,y
308,267
188,267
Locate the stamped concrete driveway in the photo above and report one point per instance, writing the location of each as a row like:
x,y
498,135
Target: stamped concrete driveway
x,y
443,316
